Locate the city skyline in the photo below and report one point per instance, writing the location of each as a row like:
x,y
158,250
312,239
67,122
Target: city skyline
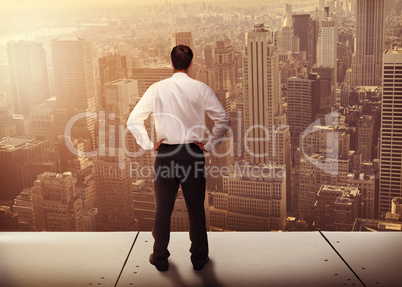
x,y
288,73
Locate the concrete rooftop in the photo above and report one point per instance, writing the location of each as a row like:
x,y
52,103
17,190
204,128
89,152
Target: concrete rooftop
x,y
236,259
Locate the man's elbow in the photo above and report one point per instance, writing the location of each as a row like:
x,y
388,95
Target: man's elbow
x,y
224,123
228,122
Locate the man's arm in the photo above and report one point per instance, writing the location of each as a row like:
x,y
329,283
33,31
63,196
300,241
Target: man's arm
x,y
135,122
217,113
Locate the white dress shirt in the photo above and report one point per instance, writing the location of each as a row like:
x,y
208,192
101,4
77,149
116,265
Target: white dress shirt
x,y
178,105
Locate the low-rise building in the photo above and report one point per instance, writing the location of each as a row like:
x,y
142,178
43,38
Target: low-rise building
x,y
337,207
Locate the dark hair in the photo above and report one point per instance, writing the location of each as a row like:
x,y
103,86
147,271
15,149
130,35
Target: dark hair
x,y
181,56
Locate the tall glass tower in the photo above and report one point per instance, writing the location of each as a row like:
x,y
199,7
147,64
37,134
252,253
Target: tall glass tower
x,y
370,43
391,131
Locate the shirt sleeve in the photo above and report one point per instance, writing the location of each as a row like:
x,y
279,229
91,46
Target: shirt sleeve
x,y
135,122
217,113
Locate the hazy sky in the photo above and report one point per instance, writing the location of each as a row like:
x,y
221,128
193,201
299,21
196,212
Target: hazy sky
x,y
57,4
42,5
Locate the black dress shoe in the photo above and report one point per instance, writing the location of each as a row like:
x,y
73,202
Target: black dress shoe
x,y
198,264
161,264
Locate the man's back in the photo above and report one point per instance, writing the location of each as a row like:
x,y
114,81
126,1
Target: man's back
x,y
180,95
179,104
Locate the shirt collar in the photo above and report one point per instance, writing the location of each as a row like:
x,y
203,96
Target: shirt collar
x,y
179,75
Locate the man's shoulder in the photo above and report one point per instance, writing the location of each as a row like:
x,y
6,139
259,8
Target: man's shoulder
x,y
159,83
194,82
201,84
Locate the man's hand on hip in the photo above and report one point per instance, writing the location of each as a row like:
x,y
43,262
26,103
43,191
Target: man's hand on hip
x,y
200,145
156,145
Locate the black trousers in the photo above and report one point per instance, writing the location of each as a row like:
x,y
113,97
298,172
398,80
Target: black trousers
x,y
180,165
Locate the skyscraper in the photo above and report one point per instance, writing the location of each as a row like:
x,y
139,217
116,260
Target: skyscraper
x,y
370,43
113,182
391,131
56,206
306,30
288,40
42,119
224,65
301,24
115,198
74,75
146,76
75,85
365,139
209,56
21,160
28,74
327,86
119,95
268,138
111,68
327,43
303,94
262,99
183,38
24,208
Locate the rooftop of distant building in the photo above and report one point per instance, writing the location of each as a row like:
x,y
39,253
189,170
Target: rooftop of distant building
x,y
120,82
396,50
12,143
68,39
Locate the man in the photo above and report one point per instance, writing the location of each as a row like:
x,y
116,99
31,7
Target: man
x,y
178,105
